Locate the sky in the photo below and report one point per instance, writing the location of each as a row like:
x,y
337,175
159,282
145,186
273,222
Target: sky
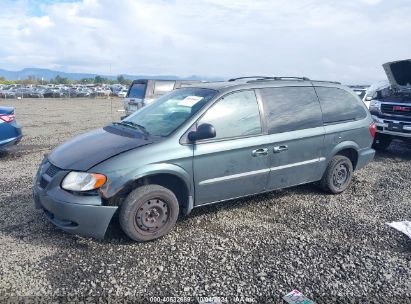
x,y
346,41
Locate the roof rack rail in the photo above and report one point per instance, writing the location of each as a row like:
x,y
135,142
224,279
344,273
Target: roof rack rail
x,y
291,78
336,82
266,78
247,77
282,78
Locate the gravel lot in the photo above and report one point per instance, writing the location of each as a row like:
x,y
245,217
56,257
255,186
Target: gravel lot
x,y
331,248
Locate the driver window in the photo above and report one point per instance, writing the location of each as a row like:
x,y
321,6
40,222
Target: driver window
x,y
235,115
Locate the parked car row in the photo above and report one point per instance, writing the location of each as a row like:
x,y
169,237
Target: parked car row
x,y
59,91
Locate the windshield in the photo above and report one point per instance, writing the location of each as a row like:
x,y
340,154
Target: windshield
x,y
170,111
137,90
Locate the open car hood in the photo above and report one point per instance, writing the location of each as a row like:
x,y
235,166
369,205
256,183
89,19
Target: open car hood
x,y
399,73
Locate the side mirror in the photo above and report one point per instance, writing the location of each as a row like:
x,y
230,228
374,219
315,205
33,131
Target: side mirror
x,y
204,131
368,98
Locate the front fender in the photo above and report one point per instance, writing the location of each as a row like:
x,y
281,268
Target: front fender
x,y
123,179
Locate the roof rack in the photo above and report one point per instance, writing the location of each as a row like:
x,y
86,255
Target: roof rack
x,y
267,78
291,78
247,77
336,82
282,78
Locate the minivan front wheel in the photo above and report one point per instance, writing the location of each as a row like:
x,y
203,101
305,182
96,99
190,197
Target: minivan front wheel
x,y
338,175
149,212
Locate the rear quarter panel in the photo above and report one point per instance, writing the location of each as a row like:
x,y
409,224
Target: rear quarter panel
x,y
353,134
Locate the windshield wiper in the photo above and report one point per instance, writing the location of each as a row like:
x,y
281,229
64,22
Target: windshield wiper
x,y
133,125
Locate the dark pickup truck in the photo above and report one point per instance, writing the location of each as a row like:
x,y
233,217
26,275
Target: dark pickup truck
x,y
390,105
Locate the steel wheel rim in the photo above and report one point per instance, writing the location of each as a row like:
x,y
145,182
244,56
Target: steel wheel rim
x,y
152,215
340,175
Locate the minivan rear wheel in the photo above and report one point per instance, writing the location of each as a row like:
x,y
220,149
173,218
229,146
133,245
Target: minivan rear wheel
x,y
338,175
148,213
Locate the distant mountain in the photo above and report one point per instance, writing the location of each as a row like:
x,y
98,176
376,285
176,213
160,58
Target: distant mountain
x,y
47,74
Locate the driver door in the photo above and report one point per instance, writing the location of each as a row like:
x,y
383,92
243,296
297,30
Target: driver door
x,y
236,162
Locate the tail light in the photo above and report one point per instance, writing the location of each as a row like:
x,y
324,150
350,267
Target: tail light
x,y
373,129
7,117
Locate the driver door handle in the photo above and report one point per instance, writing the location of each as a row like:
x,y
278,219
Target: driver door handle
x,y
281,148
260,152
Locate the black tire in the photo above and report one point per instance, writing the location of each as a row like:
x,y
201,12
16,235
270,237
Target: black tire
x,y
338,175
381,142
149,212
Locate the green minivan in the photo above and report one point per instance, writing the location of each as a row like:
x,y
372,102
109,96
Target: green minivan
x,y
202,144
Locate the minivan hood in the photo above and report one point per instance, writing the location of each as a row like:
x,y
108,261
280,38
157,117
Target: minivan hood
x,y
399,73
87,150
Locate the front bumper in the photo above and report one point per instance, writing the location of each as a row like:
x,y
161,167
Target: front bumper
x,y
82,215
385,126
10,141
10,133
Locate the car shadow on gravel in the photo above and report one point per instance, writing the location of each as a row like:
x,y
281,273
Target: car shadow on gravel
x,y
255,200
397,150
115,233
17,151
5,154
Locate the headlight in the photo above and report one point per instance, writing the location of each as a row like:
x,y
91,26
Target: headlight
x,y
375,104
377,119
82,181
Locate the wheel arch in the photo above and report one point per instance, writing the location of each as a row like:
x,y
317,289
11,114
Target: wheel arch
x,y
348,149
170,176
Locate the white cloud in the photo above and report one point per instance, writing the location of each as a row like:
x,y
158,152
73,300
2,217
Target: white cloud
x,y
371,2
346,41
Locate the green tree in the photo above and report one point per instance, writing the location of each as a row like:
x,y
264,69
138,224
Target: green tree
x,y
31,79
59,80
121,79
98,79
87,80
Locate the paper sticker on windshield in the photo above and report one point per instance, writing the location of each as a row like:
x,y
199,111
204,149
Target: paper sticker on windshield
x,y
190,101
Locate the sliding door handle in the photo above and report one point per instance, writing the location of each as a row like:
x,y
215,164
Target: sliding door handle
x,y
279,149
260,152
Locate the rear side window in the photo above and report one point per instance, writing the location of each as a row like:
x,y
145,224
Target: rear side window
x,y
291,108
235,115
339,105
137,90
161,87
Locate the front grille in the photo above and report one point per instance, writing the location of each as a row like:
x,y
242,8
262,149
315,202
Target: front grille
x,y
52,170
386,118
396,109
43,183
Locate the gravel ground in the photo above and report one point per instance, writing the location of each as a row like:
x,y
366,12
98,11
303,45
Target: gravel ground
x,y
331,248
